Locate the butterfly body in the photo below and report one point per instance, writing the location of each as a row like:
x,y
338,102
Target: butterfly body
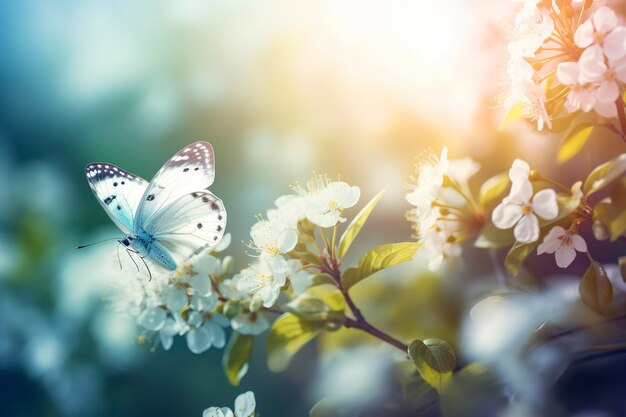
x,y
171,217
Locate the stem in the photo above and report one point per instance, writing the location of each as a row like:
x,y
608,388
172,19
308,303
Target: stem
x,y
368,328
619,103
334,240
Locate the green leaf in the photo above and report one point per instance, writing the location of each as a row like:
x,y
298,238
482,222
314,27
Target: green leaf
x,y
435,360
574,142
516,112
491,237
493,189
595,288
237,357
287,336
617,225
355,226
318,303
604,174
567,203
377,259
517,255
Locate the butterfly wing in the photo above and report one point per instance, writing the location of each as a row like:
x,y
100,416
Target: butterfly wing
x,y
118,191
190,169
193,221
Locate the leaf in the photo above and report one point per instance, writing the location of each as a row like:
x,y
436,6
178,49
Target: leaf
x,y
604,174
516,112
595,288
617,225
574,142
622,267
377,259
287,336
518,254
318,303
567,203
356,224
492,189
491,237
237,357
435,360
329,407
561,124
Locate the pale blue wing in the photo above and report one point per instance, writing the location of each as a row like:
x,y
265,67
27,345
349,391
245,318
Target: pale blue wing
x,y
190,169
118,191
193,221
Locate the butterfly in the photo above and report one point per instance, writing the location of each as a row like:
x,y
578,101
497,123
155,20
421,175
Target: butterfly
x,y
172,216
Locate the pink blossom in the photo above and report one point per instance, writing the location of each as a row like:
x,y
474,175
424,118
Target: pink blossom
x,y
564,244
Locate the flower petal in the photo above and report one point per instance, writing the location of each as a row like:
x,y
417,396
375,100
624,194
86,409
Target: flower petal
x,y
527,229
608,92
579,243
505,215
604,19
591,65
607,110
245,404
584,35
288,241
545,205
565,256
614,45
567,73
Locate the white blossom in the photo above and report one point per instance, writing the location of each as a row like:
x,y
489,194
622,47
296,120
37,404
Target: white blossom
x,y
272,242
253,323
603,31
564,244
520,209
261,283
245,405
325,205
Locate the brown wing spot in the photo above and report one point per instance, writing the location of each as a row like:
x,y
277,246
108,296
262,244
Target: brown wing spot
x,y
215,206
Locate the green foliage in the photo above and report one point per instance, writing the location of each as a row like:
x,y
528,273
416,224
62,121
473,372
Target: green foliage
x,y
595,288
355,226
492,190
574,142
612,212
435,360
288,335
604,174
517,255
516,112
377,259
237,357
567,203
491,237
318,303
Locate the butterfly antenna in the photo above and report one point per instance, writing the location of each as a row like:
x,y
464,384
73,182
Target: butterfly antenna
x,y
147,267
95,243
132,259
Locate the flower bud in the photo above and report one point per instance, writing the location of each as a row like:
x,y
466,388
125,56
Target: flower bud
x,y
534,175
600,231
227,265
231,309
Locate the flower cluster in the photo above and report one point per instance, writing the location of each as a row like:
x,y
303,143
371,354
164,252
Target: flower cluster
x,y
567,54
183,302
245,405
444,213
320,203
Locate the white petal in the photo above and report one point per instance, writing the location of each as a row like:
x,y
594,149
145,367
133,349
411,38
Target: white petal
x,y
615,43
567,73
323,220
519,170
527,230
608,92
349,198
152,318
288,241
584,35
212,412
565,256
505,216
175,298
199,340
604,19
607,110
205,265
521,191
245,404
591,65
552,241
201,284
545,205
219,337
579,243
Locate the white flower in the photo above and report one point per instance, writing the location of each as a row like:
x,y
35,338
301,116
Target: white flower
x,y
271,242
564,244
532,26
299,278
261,283
173,326
206,330
290,209
430,175
175,299
249,323
245,405
580,97
602,30
440,244
519,211
593,69
327,204
152,318
535,100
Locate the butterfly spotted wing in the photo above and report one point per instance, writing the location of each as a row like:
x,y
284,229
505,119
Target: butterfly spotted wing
x,y
118,191
176,209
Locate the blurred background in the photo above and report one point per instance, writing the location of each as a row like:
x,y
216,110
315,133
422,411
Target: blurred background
x,y
355,89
